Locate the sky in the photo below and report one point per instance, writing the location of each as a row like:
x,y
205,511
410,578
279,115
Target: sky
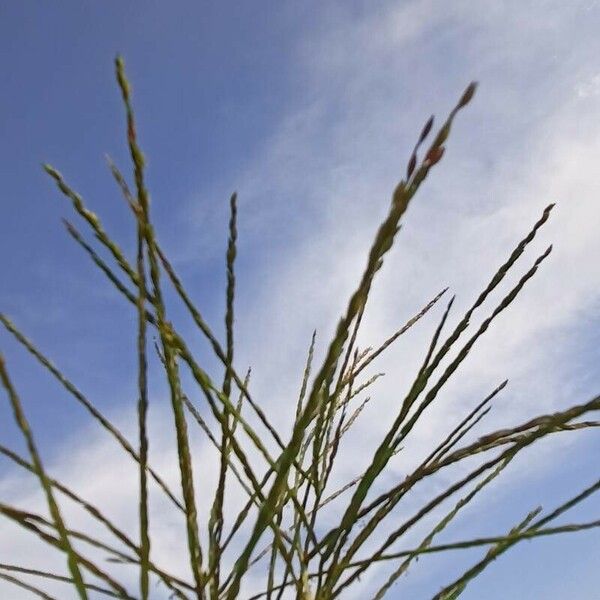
x,y
309,110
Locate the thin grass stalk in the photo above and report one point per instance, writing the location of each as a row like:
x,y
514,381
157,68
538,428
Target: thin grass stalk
x,y
101,264
331,446
216,346
427,164
142,406
279,535
497,278
315,419
351,419
322,455
123,185
299,481
553,423
230,292
389,341
72,533
144,551
215,524
93,220
527,534
363,386
329,498
431,365
23,425
329,467
185,460
341,406
463,433
273,564
455,589
517,534
396,534
583,495
328,407
255,496
27,586
434,341
221,355
105,240
202,423
55,577
540,425
350,348
340,429
206,385
91,509
295,527
226,450
354,372
461,429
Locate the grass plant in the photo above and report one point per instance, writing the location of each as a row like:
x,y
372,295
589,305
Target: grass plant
x,y
280,532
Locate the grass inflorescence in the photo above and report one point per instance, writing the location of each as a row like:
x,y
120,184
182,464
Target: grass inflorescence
x,y
279,532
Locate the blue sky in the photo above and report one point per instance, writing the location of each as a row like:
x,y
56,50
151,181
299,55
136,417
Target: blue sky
x,y
309,110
